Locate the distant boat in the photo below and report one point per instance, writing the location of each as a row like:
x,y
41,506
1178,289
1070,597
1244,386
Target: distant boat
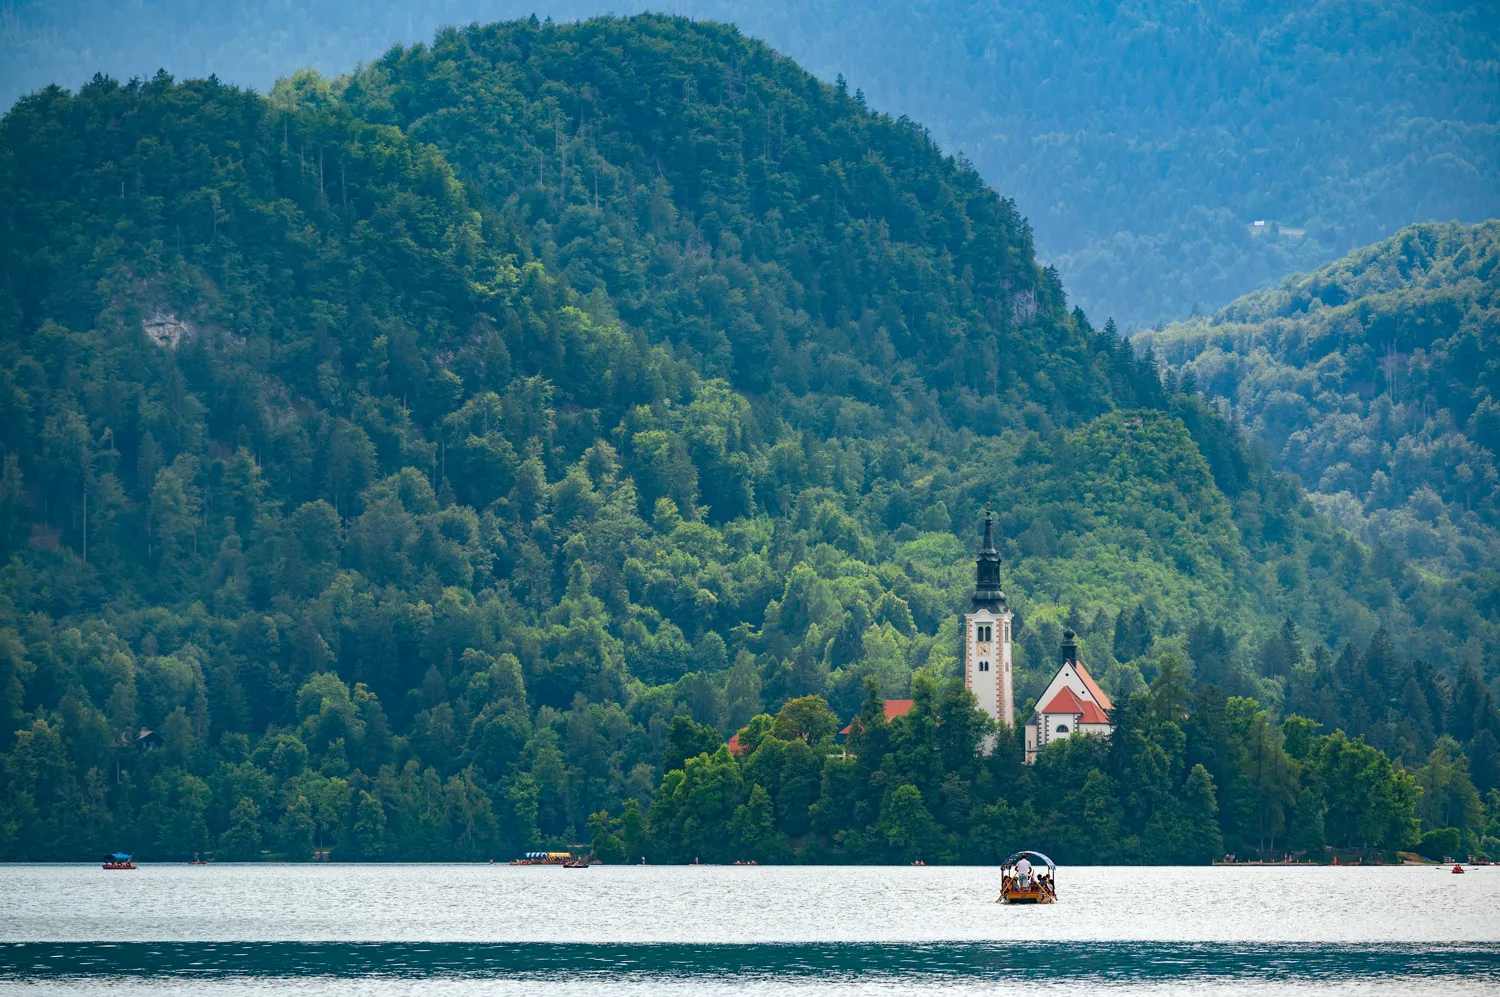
x,y
575,864
118,860
1022,884
544,858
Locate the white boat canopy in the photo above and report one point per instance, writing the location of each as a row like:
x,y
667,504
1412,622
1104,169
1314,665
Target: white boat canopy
x,y
1051,866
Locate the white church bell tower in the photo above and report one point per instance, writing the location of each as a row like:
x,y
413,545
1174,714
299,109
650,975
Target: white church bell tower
x,y
987,660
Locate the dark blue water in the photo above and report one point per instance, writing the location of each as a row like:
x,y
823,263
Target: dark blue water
x,y
1087,961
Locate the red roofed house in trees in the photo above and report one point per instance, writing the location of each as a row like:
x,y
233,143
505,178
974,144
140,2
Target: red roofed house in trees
x,y
1073,703
893,708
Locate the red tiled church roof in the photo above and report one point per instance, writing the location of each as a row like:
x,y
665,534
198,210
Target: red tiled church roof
x,y
1093,688
1093,715
893,708
735,747
1066,701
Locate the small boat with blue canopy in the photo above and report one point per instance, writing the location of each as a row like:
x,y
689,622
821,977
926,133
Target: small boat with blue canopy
x,y
118,860
544,858
1023,882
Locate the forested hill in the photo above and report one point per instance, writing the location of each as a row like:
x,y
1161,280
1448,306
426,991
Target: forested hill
x,y
1375,379
445,460
1143,139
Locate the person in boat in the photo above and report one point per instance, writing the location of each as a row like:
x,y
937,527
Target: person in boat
x,y
1023,874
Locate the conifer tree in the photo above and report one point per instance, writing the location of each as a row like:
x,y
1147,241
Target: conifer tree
x,y
1201,840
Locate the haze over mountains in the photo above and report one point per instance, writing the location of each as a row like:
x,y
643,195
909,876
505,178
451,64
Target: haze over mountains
x,y
1141,141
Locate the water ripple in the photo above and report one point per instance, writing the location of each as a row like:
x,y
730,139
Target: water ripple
x,y
1097,961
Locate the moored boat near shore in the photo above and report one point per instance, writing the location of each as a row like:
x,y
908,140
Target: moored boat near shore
x,y
545,858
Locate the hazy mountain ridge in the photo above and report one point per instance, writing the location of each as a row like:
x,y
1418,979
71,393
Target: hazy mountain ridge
x,y
1141,140
1374,378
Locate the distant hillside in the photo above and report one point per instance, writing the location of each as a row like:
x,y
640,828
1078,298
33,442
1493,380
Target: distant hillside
x,y
1141,140
1375,379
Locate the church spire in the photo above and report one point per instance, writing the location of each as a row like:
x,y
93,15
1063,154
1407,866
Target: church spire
x,y
1069,648
987,591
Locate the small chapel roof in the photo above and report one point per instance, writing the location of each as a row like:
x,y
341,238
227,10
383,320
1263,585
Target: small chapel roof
x,y
1092,687
1069,651
1093,715
1066,701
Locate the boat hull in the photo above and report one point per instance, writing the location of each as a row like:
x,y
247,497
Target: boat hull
x,y
1027,897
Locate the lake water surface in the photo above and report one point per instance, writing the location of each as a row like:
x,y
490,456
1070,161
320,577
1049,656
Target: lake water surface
x,y
466,929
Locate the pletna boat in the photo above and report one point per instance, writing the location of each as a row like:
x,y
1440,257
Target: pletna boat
x,y
545,858
118,860
1021,882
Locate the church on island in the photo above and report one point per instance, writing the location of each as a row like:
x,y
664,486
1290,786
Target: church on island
x,y
1072,703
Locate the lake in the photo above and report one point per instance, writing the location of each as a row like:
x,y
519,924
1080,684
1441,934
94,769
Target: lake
x,y
480,929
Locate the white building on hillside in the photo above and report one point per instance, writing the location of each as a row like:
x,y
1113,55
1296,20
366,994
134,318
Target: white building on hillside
x,y
1072,703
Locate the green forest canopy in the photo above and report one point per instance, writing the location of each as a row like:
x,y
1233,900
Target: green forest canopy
x,y
1375,380
1142,140
440,460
